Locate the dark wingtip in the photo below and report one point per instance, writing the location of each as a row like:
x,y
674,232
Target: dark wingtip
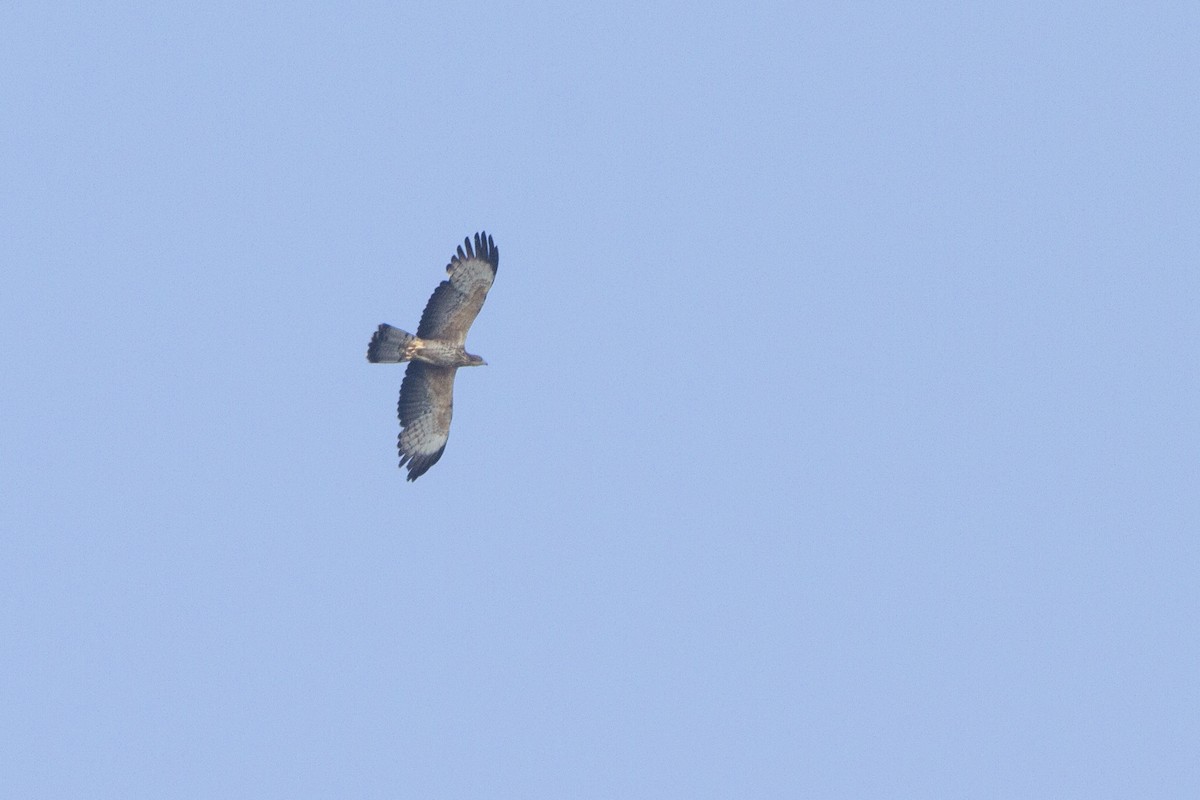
x,y
419,465
484,249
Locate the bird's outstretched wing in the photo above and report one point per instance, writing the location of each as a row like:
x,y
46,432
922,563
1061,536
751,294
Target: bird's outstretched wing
x,y
456,302
426,405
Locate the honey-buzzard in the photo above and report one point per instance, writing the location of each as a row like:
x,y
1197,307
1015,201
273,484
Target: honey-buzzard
x,y
436,353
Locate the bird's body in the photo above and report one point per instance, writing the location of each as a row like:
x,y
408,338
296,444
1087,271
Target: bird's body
x,y
436,352
390,345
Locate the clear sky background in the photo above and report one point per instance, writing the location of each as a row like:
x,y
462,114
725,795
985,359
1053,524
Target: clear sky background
x,y
839,436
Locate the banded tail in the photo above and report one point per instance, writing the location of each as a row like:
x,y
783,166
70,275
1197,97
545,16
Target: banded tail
x,y
391,346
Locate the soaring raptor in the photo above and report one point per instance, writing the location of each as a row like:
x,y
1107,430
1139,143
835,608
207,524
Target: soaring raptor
x,y
436,353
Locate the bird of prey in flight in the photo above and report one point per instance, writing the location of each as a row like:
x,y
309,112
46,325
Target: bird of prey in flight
x,y
436,353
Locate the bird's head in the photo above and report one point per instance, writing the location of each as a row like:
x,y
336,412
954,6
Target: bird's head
x,y
474,361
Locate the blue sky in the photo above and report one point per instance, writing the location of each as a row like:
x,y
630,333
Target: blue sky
x,y
838,439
